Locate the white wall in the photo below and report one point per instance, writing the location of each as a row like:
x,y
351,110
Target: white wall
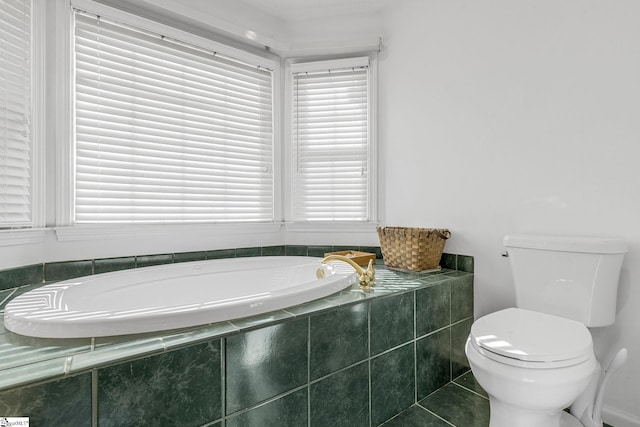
x,y
502,117
231,18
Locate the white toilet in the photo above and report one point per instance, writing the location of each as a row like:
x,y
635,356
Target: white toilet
x,y
537,359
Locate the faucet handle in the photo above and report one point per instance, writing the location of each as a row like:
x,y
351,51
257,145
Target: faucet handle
x,y
368,277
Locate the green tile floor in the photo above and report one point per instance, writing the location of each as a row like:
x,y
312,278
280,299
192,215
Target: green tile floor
x,y
460,403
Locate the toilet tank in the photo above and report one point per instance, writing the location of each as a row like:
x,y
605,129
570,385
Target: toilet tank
x,y
572,277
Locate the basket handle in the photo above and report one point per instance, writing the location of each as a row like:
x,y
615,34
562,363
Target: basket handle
x,y
443,234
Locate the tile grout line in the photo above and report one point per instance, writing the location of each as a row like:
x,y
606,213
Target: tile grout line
x,y
415,347
263,403
94,397
436,415
450,331
223,381
308,371
469,390
369,362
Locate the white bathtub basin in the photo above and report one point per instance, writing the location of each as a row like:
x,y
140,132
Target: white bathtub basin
x,y
169,296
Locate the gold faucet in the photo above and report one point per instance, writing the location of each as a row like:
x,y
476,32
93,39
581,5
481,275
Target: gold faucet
x,y
366,277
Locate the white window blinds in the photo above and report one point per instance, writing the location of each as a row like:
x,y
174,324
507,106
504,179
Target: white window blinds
x,y
331,145
167,132
15,113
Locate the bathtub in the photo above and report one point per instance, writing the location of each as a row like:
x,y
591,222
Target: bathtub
x,y
170,296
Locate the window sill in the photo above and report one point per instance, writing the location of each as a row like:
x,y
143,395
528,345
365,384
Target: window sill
x,y
331,226
100,232
21,236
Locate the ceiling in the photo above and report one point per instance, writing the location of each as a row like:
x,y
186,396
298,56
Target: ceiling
x,y
292,10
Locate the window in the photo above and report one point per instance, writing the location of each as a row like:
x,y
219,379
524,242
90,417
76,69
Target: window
x,y
167,132
15,114
331,141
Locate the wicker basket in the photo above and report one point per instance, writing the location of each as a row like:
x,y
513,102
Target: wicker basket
x,y
412,249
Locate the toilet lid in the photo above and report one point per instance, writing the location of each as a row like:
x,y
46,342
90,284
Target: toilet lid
x,y
530,336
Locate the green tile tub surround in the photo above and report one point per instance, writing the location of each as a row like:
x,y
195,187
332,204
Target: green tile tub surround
x,y
461,298
189,256
457,262
289,410
56,271
26,275
106,265
23,351
221,253
459,334
296,250
9,294
150,260
392,321
248,252
273,251
64,402
184,385
342,399
433,362
392,383
433,308
319,251
318,377
449,261
4,297
339,338
263,363
465,263
11,278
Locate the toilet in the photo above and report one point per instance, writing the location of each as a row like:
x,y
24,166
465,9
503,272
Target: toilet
x,y
536,359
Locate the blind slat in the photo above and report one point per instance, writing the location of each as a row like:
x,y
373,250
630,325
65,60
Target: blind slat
x,y
168,133
331,145
15,113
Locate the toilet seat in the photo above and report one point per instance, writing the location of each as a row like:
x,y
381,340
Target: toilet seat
x,y
530,339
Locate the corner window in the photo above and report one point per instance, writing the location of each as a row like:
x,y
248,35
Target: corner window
x,y
331,141
168,132
15,115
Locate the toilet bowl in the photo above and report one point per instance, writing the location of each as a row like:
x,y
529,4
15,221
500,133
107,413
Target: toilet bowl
x,y
537,359
532,365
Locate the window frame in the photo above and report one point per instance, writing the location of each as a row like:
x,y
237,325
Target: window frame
x,y
168,132
34,113
281,230
65,228
12,235
293,65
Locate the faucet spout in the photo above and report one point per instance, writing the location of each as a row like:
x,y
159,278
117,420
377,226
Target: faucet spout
x,y
365,277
